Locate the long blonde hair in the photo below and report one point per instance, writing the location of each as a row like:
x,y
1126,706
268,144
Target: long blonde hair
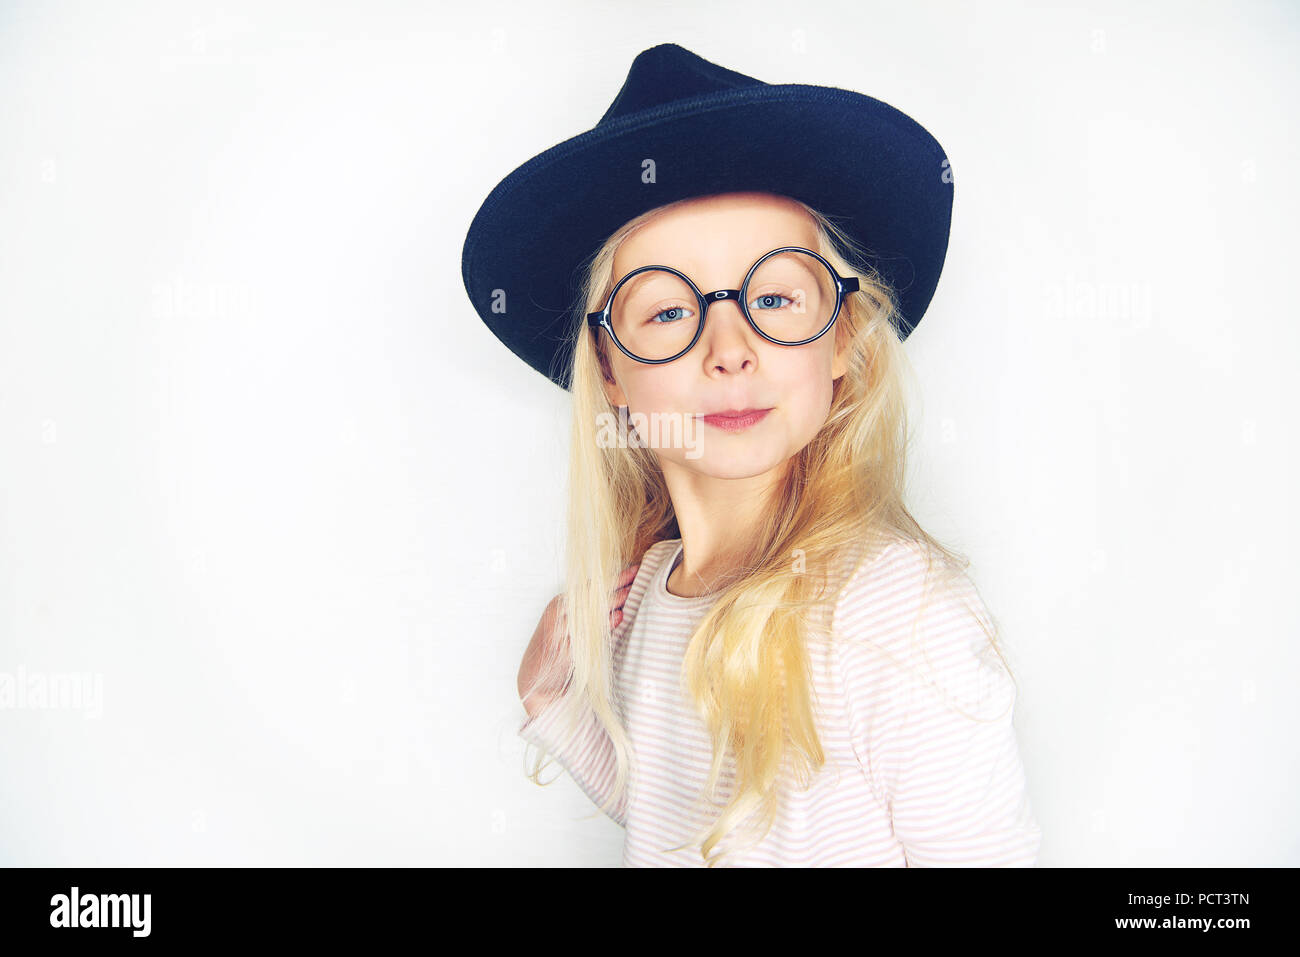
x,y
746,668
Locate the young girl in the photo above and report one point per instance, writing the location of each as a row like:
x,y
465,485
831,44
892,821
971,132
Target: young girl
x,y
759,658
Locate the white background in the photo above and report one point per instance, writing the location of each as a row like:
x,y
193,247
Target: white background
x,y
266,476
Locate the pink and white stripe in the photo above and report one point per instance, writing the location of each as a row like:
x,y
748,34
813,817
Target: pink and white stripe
x,y
914,713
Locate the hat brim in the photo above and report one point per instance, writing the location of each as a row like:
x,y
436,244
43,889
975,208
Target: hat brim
x,y
876,172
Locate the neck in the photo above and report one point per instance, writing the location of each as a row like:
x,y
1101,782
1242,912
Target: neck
x,y
720,521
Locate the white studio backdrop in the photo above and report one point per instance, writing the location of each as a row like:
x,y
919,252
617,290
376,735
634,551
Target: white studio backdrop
x,y
284,510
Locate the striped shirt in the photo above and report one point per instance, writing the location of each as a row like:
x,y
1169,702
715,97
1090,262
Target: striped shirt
x,y
910,779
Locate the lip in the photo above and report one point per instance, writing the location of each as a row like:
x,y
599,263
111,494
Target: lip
x,y
735,420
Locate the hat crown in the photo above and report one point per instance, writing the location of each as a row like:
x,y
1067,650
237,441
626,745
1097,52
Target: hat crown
x,y
666,73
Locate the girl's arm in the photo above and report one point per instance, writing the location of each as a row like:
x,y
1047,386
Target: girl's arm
x,y
930,709
960,798
959,794
586,750
550,642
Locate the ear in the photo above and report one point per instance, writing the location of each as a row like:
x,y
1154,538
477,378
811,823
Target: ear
x,y
840,361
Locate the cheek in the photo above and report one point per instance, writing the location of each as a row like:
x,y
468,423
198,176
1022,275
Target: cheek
x,y
817,407
653,389
811,386
813,374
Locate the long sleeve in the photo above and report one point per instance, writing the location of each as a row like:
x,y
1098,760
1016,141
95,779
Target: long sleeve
x,y
587,753
931,706
960,796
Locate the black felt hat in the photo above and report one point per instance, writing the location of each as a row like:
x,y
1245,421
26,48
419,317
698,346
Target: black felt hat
x,y
876,172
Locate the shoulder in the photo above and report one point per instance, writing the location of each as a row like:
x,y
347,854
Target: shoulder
x,y
651,563
657,554
907,612
889,580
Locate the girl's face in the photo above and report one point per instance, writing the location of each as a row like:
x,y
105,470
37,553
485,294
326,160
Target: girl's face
x,y
714,240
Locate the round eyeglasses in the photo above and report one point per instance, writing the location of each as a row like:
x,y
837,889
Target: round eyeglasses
x,y
790,297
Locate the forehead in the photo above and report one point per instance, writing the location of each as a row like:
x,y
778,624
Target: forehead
x,y
714,239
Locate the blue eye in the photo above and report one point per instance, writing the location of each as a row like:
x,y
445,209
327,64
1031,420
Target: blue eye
x,y
769,300
674,314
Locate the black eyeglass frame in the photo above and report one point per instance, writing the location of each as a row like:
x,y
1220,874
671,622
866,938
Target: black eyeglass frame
x,y
843,286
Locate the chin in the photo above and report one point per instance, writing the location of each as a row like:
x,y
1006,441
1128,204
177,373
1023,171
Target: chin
x,y
727,464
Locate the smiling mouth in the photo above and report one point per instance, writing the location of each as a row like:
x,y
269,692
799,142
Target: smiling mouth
x,y
735,421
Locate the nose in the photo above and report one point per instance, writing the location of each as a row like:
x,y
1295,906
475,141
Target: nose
x,y
727,333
